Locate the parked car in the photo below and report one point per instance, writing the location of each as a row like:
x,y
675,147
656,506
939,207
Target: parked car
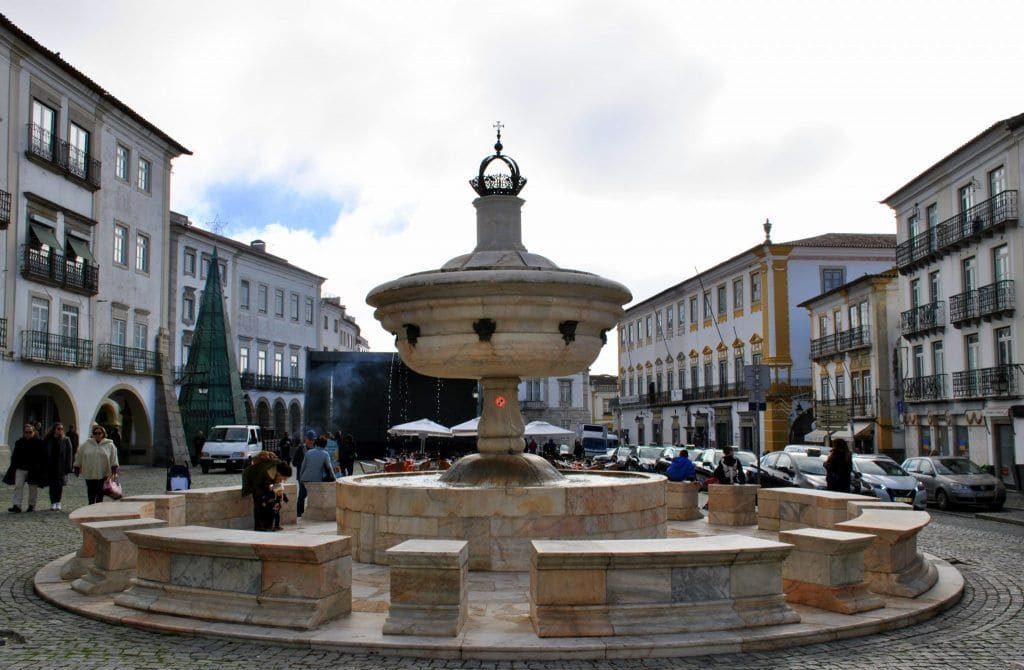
x,y
882,477
672,452
709,459
230,447
954,480
808,449
645,458
607,457
782,468
620,459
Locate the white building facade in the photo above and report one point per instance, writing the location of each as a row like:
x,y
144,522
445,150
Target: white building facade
x,y
561,401
83,213
683,351
273,310
959,251
338,330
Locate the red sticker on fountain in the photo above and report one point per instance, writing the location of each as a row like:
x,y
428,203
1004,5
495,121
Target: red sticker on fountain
x,y
500,401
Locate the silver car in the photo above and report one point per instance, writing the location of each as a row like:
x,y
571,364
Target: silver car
x,y
882,477
953,480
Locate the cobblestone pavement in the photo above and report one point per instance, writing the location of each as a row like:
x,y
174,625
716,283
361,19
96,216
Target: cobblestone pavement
x,y
985,631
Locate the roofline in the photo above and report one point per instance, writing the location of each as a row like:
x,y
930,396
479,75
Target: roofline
x,y
238,246
891,273
1007,125
55,58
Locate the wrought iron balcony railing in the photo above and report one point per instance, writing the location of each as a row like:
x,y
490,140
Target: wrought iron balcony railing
x,y
117,358
3,333
823,347
923,319
846,407
49,267
984,303
250,380
5,209
917,389
42,347
64,157
958,230
999,381
854,338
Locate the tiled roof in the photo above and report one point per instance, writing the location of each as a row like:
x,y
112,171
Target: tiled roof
x,y
848,241
55,58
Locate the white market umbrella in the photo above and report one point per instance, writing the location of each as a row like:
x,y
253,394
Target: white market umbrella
x,y
423,428
545,429
466,428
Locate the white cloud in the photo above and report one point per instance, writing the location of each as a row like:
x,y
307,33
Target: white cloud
x,y
656,137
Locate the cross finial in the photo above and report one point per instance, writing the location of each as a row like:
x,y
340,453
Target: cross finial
x,y
498,125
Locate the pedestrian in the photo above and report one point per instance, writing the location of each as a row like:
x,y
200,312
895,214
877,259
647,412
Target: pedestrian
x,y
316,467
284,448
197,446
73,438
531,448
838,468
299,452
28,466
59,455
729,469
578,452
96,461
347,455
681,469
261,479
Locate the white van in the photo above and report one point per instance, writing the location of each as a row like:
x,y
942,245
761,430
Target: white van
x,y
230,447
596,439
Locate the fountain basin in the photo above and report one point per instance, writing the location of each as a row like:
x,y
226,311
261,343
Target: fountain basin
x,y
379,511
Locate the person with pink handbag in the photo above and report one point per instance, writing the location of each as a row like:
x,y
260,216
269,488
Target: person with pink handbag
x,y
96,462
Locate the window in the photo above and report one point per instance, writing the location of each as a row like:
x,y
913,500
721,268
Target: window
x,y
243,294
279,302
694,376
693,310
261,363
121,158
186,347
325,322
293,306
737,366
69,321
658,325
142,252
118,332
188,307
682,377
44,126
647,322
737,293
969,273
913,227
78,151
755,358
278,364
966,194
934,287
723,301
825,388
668,380
120,245
932,217
243,358
832,278
144,176
261,298
709,379
335,325
867,392
972,351
533,390
189,266
840,386
141,336
309,310
1004,347
681,308
708,311
915,293
755,288
822,325
293,365
938,360
918,361
996,185
723,372
669,313
1000,263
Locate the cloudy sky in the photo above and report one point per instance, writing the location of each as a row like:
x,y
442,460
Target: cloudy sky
x,y
656,136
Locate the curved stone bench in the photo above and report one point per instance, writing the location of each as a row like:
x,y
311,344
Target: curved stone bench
x,y
732,504
855,507
826,570
113,565
167,506
289,580
79,564
581,588
681,500
788,508
892,564
226,507
321,501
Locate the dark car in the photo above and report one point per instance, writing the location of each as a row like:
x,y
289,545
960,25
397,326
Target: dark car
x,y
709,459
954,480
781,468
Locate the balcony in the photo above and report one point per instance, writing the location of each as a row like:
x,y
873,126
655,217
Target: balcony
x,y
985,218
918,389
919,321
42,347
824,347
3,333
117,358
59,156
845,340
49,267
999,382
988,302
734,391
250,380
5,210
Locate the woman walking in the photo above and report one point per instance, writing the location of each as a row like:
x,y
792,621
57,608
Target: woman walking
x,y
95,461
58,463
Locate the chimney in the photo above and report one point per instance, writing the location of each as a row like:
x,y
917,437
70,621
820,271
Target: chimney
x,y
259,245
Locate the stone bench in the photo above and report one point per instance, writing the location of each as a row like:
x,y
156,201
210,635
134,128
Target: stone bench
x,y
855,507
681,500
732,504
429,588
225,507
581,588
79,564
287,580
789,508
321,501
826,570
167,506
892,563
115,556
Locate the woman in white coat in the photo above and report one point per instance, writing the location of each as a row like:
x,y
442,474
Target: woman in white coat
x,y
95,461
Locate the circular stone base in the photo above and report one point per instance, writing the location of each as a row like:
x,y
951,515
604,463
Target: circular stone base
x,y
501,471
381,510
